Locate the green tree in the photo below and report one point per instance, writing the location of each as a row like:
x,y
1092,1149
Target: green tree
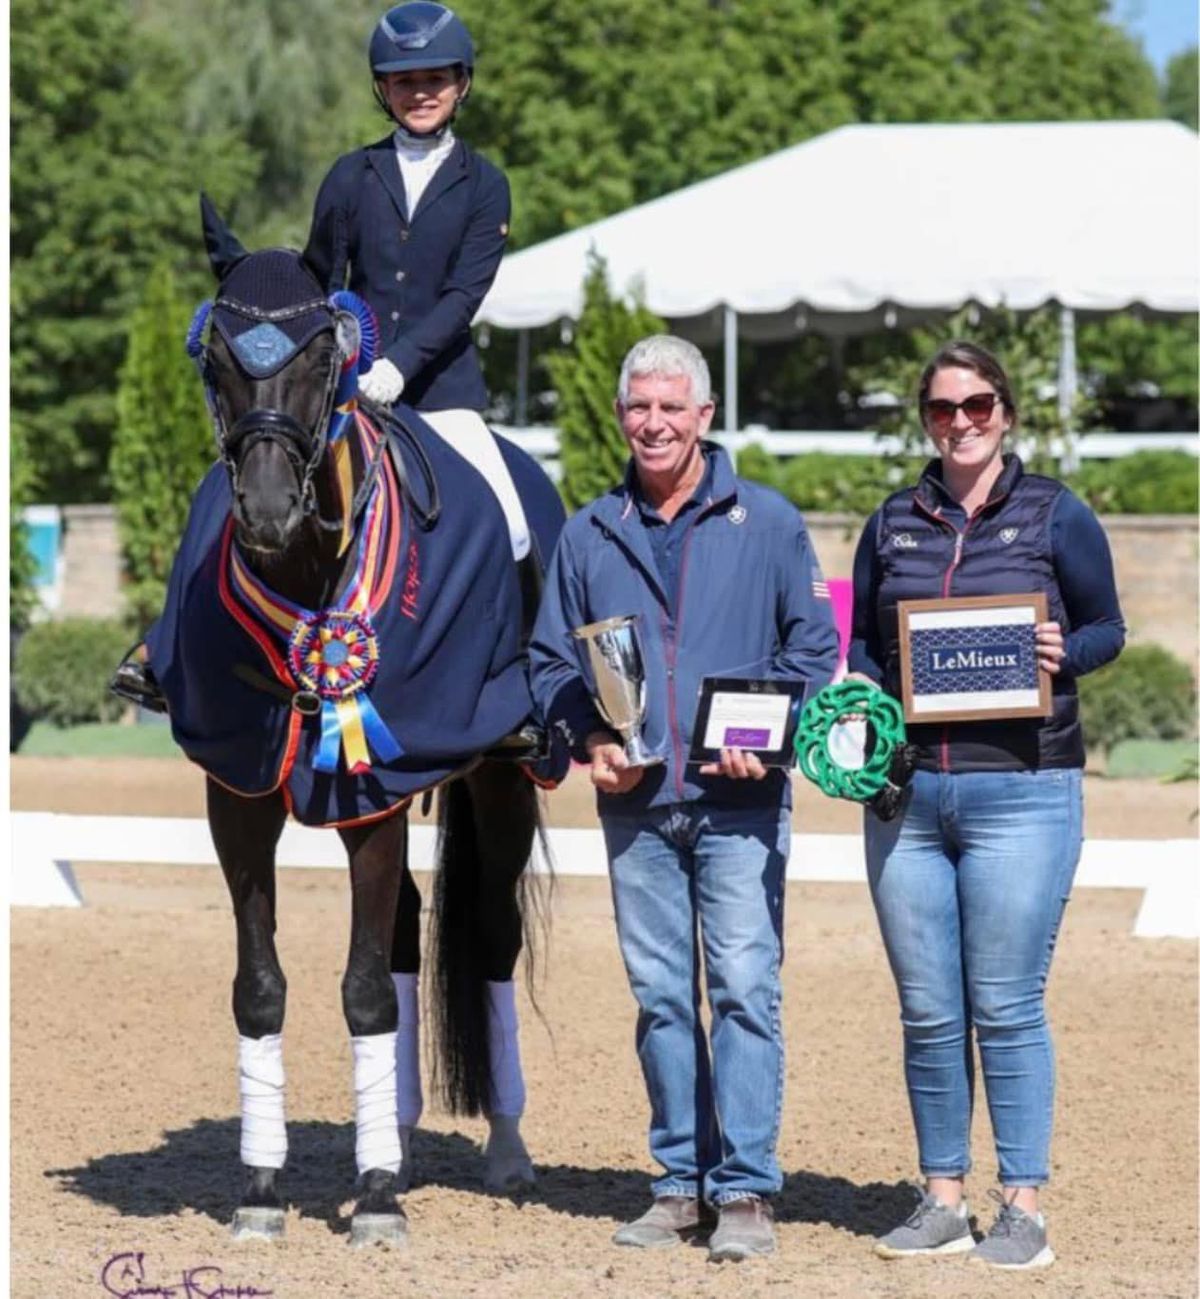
x,y
163,443
104,183
1179,91
290,79
1123,353
1052,60
592,450
905,63
592,107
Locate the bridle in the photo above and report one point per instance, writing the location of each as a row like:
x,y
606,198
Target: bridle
x,y
352,325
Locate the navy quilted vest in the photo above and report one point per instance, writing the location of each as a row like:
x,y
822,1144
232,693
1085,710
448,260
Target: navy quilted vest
x,y
1004,548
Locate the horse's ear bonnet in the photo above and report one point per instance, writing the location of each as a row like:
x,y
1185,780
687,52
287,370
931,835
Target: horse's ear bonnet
x,y
268,308
272,305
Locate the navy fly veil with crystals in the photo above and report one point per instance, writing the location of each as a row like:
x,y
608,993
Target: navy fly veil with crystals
x,y
261,310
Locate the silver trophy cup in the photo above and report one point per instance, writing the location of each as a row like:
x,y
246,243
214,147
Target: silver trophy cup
x,y
616,662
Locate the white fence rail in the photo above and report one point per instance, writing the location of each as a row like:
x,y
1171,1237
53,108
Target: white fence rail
x,y
45,844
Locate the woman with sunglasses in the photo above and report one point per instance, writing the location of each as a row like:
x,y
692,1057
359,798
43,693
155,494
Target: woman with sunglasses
x,y
970,880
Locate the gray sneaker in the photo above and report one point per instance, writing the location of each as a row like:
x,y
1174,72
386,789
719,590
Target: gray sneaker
x,y
1016,1240
931,1228
744,1230
671,1219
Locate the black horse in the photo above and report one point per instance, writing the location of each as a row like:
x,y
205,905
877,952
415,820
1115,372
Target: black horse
x,y
343,631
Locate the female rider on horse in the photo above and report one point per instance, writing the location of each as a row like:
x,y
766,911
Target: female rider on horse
x,y
416,224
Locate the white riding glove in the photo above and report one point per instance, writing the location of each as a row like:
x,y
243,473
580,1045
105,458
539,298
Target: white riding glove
x,y
382,383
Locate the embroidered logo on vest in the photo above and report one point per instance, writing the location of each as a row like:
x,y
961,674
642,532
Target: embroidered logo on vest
x,y
904,541
1008,535
737,514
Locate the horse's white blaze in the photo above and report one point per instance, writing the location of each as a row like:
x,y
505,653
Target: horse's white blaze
x,y
260,1081
504,1046
409,1100
377,1142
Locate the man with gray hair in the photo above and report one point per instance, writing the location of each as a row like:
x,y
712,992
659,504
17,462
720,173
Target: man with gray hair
x,y
723,579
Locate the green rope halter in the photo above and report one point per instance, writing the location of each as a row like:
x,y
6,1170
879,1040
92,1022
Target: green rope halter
x,y
821,714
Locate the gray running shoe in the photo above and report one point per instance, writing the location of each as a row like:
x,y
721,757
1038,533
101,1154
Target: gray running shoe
x,y
932,1228
744,1230
671,1219
1015,1241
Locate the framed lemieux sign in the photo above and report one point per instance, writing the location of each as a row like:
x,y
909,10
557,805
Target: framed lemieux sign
x,y
971,658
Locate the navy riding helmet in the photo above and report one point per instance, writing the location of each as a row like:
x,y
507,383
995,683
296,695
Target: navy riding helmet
x,y
420,35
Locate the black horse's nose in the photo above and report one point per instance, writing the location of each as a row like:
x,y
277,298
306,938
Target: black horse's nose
x,y
266,529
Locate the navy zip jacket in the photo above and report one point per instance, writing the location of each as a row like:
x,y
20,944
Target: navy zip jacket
x,y
424,273
1032,534
749,601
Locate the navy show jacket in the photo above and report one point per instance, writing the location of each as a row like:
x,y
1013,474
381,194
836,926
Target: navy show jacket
x,y
424,273
751,602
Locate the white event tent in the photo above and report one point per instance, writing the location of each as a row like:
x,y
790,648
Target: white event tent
x,y
875,226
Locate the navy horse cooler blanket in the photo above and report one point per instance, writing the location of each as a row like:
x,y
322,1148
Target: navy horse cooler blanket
x,y
450,679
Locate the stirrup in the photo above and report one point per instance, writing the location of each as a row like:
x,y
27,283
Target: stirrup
x,y
134,680
529,743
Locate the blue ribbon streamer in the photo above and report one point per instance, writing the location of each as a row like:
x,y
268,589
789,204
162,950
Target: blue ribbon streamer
x,y
339,424
331,739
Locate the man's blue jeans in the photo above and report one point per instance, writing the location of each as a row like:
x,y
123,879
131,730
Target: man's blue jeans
x,y
969,885
693,882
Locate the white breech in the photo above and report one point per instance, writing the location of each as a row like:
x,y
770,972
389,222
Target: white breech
x,y
260,1082
466,432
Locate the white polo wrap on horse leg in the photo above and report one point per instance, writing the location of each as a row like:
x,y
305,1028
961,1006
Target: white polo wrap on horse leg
x,y
260,1082
508,1082
474,441
377,1137
409,1100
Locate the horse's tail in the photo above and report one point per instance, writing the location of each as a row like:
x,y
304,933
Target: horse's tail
x,y
458,1004
461,1063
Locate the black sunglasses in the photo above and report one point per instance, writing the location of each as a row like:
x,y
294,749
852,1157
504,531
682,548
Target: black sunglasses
x,y
977,408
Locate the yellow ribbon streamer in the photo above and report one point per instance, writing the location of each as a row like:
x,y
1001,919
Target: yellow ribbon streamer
x,y
354,740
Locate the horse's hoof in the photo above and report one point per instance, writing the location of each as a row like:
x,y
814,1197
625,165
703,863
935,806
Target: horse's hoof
x,y
260,1215
378,1218
379,1229
257,1223
509,1168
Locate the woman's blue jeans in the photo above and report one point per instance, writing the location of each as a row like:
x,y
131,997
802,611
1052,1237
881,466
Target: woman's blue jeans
x,y
969,884
692,882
